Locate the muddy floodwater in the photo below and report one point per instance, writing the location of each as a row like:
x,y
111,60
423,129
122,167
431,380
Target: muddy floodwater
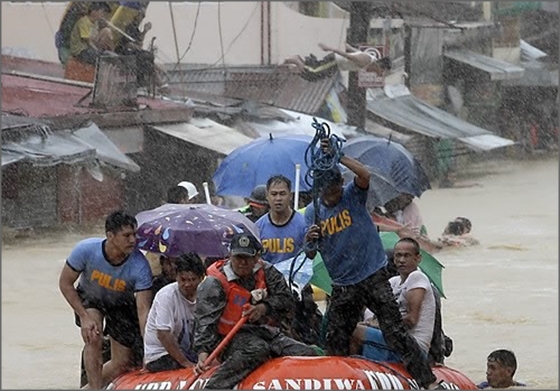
x,y
500,294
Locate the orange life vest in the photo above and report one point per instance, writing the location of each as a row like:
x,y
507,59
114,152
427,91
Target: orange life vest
x,y
236,295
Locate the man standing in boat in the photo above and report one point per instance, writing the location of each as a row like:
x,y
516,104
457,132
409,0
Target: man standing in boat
x,y
222,299
115,287
355,259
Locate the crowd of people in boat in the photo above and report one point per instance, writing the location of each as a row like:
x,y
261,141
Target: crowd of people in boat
x,y
381,307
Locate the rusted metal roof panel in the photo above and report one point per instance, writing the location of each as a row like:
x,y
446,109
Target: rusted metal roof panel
x,y
271,85
41,98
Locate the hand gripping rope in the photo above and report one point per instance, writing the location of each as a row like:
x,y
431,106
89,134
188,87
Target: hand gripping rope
x,y
318,164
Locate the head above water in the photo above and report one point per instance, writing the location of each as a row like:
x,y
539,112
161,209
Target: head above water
x,y
466,223
454,228
501,365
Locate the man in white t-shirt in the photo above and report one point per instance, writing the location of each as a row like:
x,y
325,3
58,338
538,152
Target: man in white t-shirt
x,y
413,292
169,329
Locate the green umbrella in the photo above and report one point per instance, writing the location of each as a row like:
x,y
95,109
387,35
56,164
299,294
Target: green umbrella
x,y
429,265
321,278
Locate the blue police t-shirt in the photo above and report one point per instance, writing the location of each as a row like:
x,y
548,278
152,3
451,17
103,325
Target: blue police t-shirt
x,y
281,242
350,245
106,283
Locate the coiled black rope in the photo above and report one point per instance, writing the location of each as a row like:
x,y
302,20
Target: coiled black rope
x,y
319,167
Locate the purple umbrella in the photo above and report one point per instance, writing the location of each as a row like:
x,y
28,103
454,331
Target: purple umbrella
x,y
175,229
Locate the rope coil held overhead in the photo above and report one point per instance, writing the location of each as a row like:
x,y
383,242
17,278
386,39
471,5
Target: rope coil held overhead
x,y
320,166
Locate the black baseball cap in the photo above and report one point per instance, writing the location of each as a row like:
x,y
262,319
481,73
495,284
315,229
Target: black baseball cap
x,y
244,244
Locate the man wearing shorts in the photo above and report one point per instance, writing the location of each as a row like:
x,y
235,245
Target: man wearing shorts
x,y
115,287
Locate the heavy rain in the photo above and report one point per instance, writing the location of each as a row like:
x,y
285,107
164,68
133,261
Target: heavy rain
x,y
178,113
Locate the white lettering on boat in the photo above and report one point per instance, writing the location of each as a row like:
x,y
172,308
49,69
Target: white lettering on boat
x,y
197,384
310,384
162,385
383,381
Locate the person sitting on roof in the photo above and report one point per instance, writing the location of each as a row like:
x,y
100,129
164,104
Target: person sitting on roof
x,y
353,59
501,365
90,35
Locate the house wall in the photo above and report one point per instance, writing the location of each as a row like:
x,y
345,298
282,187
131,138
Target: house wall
x,y
98,199
291,33
37,197
29,196
166,161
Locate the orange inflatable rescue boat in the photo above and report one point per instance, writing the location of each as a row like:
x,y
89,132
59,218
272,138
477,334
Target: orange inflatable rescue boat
x,y
300,373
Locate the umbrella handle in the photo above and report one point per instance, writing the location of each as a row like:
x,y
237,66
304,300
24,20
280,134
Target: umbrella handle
x,y
207,193
296,190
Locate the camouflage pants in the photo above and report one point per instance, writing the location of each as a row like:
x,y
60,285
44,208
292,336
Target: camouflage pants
x,y
251,348
345,311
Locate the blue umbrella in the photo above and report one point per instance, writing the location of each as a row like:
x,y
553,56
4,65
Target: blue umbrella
x,y
391,159
252,164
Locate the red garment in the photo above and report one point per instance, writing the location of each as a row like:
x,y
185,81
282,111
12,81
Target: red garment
x,y
236,295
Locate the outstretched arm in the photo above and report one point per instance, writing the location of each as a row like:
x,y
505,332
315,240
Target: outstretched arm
x,y
362,173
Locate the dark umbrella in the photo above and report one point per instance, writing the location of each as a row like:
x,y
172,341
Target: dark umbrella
x,y
252,164
381,189
174,229
392,160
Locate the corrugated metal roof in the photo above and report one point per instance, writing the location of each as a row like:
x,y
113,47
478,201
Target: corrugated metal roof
x,y
41,98
497,69
271,85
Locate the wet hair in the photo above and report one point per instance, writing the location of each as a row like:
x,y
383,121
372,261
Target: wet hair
x,y
455,227
176,194
504,357
466,223
278,179
101,5
328,178
118,220
411,241
190,262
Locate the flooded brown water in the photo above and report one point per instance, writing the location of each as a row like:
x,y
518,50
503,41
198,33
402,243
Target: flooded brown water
x,y
501,294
